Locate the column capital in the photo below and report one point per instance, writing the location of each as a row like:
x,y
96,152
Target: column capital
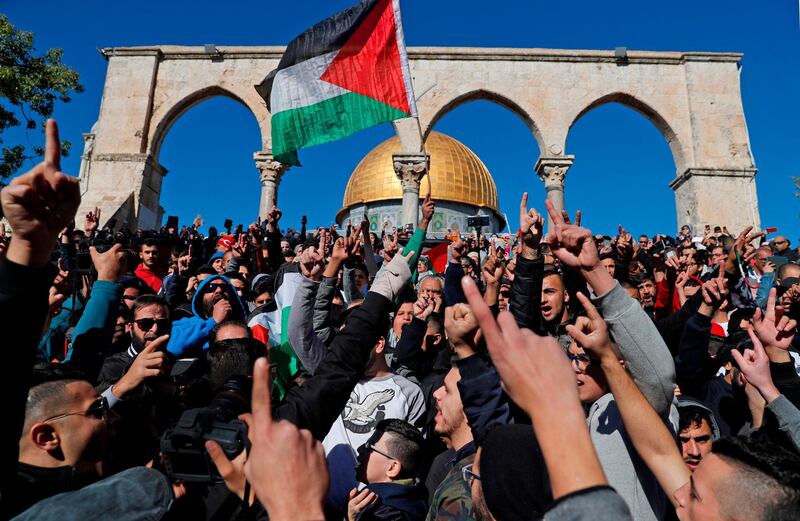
x,y
553,169
410,169
269,169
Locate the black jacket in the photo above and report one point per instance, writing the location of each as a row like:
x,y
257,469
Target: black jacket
x,y
23,307
317,403
526,294
396,502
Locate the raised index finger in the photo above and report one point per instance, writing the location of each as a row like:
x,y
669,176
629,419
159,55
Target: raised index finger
x,y
523,204
261,398
52,147
482,313
553,213
770,314
591,311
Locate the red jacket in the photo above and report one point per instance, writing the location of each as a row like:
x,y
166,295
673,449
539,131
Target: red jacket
x,y
152,278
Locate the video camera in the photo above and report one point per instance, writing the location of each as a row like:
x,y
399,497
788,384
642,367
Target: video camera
x,y
183,444
478,221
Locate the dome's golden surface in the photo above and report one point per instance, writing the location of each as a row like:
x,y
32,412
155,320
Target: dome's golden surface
x,y
456,173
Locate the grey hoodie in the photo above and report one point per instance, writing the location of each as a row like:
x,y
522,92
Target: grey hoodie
x,y
649,362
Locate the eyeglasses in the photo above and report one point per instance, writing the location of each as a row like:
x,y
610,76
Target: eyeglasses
x,y
214,286
98,410
146,324
369,446
468,475
580,359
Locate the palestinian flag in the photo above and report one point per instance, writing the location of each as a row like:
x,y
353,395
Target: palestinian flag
x,y
271,328
345,74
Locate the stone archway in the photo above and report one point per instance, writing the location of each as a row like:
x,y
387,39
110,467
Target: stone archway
x,y
693,98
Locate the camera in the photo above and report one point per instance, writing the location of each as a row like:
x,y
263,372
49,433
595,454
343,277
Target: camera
x,y
478,221
183,443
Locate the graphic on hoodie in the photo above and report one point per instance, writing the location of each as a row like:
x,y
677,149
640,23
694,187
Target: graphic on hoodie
x,y
357,415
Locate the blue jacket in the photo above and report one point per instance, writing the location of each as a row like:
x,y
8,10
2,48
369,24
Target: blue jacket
x,y
51,345
191,334
94,332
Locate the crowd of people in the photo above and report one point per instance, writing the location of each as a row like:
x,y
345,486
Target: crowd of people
x,y
268,373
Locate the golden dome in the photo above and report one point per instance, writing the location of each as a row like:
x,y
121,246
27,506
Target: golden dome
x,y
456,175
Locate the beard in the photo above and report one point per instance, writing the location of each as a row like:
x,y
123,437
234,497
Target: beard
x,y
139,342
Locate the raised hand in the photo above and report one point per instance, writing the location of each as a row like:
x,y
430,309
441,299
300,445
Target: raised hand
x,y
772,330
423,307
457,250
60,290
150,362
575,248
239,248
530,228
754,365
312,260
624,243
286,466
273,216
232,470
493,268
40,203
461,327
111,264
390,247
591,332
91,221
358,501
533,368
428,208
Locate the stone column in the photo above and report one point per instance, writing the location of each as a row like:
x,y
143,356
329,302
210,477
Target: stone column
x,y
410,169
716,197
552,171
270,173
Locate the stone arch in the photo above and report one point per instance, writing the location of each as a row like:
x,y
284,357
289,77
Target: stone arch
x,y
487,95
651,114
178,109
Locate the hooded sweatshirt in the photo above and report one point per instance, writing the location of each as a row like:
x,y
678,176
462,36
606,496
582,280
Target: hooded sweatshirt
x,y
650,364
190,334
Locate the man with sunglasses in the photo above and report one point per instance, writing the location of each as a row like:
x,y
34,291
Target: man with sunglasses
x,y
125,371
214,302
388,463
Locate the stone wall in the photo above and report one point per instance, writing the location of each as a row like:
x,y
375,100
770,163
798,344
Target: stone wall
x,y
694,100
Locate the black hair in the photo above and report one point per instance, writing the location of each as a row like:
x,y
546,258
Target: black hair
x,y
47,390
738,340
137,283
691,416
435,321
148,300
150,241
767,477
206,269
212,337
404,442
232,357
735,320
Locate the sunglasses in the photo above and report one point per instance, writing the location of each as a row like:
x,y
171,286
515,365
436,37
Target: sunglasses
x,y
97,410
468,475
369,446
146,324
580,359
214,286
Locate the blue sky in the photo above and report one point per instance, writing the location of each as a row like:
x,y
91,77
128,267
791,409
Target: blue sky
x,y
622,166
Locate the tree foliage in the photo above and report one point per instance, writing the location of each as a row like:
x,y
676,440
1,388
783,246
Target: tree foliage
x,y
29,87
